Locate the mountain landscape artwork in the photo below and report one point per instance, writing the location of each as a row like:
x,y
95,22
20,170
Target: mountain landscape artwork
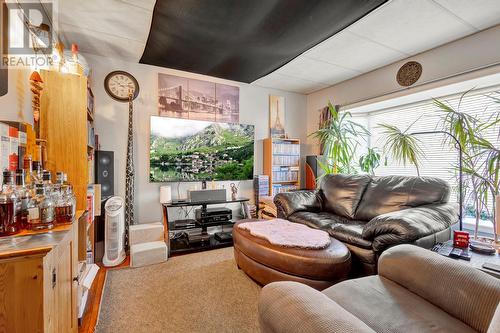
x,y
194,150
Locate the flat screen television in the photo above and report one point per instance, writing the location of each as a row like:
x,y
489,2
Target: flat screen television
x,y
194,150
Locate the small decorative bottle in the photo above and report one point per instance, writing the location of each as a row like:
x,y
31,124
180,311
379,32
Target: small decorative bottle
x,y
41,214
24,198
9,206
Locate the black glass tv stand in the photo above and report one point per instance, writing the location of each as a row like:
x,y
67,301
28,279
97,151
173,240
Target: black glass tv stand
x,y
190,235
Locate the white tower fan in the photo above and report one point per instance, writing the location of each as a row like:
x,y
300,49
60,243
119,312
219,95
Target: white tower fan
x,y
114,232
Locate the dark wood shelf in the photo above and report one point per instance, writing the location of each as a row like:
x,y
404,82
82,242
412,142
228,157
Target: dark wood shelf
x,y
178,247
185,203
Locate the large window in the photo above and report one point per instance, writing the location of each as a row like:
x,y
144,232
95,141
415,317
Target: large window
x,y
440,158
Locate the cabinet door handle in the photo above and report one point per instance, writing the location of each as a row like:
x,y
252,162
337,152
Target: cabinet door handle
x,y
76,279
54,278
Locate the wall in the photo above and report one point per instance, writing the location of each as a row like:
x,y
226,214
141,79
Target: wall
x,y
468,58
111,122
16,104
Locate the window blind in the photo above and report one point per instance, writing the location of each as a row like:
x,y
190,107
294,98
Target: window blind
x,y
441,158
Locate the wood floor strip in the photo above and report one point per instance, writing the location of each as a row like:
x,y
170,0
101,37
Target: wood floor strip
x,y
91,314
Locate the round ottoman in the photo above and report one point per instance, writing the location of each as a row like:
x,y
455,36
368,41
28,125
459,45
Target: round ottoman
x,y
266,263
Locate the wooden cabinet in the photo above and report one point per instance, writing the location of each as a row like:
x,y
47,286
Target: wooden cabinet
x,y
64,128
38,288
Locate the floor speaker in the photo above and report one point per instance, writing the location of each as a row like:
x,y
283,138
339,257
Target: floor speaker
x,y
104,172
313,171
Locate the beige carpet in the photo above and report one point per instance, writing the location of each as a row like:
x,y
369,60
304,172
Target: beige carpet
x,y
200,292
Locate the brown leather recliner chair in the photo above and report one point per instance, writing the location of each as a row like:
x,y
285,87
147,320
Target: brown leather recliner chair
x,y
370,214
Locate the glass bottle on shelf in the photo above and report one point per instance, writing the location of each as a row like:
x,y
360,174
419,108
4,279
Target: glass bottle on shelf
x,y
65,206
59,178
9,206
24,198
28,168
36,173
47,182
42,213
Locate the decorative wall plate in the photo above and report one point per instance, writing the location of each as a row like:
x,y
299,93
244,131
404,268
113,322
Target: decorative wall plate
x,y
409,73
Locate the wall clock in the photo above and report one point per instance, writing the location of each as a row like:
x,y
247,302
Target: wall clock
x,y
118,84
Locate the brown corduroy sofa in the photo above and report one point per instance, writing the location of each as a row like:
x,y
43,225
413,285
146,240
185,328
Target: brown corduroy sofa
x,y
416,290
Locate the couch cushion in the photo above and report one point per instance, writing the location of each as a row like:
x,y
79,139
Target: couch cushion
x,y
341,228
392,193
295,308
456,287
320,220
342,193
385,306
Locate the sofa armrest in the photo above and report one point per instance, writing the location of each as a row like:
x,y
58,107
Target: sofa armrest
x,y
291,307
291,202
408,225
462,291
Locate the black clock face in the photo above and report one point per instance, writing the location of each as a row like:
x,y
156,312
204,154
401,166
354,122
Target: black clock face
x,y
120,84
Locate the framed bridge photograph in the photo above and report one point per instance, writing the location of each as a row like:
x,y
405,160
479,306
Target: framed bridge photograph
x,y
180,97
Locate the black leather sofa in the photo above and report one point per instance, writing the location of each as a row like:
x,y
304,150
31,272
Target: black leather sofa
x,y
370,214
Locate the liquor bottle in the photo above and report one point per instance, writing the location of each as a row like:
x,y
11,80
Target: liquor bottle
x,y
41,213
36,173
24,198
57,188
65,206
28,168
47,182
9,206
47,178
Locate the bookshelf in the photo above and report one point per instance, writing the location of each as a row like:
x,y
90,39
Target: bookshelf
x,y
282,164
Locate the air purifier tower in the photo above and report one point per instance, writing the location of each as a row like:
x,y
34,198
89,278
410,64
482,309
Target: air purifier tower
x,y
114,232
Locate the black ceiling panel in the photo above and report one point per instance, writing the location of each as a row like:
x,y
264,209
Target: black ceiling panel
x,y
243,40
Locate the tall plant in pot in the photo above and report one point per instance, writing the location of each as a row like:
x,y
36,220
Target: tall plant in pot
x,y
340,137
481,158
402,145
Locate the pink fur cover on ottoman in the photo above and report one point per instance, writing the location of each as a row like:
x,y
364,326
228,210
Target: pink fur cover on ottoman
x,y
287,234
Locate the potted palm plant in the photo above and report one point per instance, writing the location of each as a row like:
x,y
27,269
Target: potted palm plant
x,y
340,137
402,145
480,157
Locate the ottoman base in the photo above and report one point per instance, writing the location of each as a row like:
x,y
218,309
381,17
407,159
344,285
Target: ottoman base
x,y
266,263
264,275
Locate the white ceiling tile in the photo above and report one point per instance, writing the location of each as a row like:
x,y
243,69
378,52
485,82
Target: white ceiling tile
x,y
145,4
481,14
285,82
411,26
113,17
351,51
316,70
103,44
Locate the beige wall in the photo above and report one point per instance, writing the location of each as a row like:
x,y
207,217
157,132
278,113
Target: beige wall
x,y
16,104
112,120
465,59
